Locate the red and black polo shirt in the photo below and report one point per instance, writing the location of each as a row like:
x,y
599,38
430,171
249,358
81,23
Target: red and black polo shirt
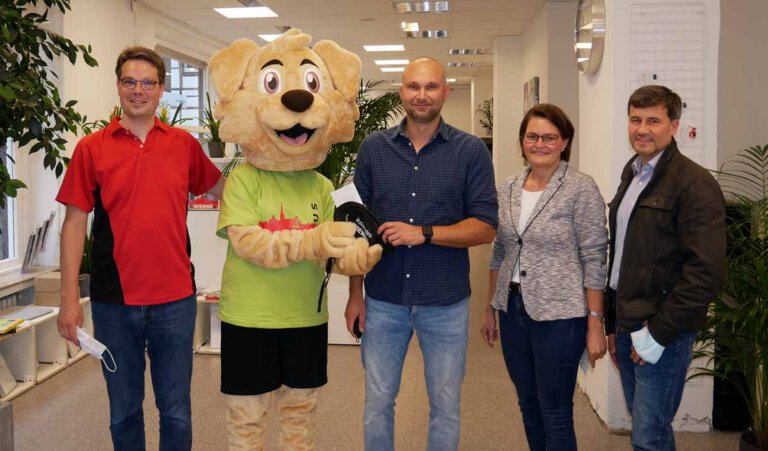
x,y
138,191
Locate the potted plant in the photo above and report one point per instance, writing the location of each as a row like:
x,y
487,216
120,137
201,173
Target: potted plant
x,y
31,110
164,114
212,125
486,115
735,339
375,114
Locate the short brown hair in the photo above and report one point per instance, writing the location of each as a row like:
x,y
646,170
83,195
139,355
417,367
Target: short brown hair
x,y
144,54
557,117
652,95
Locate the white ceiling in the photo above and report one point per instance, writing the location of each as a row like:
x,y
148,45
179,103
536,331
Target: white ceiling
x,y
352,23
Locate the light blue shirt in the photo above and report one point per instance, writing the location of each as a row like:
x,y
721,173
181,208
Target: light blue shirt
x,y
643,173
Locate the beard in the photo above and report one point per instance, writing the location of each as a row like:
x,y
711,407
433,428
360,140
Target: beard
x,y
423,116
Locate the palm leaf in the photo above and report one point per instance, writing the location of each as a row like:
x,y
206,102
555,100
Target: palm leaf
x,y
376,113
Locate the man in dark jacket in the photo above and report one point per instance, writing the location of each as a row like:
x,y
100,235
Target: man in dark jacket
x,y
667,250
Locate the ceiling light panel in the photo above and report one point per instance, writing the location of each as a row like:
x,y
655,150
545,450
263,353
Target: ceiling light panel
x,y
410,27
469,52
246,13
384,48
391,62
422,7
427,34
392,69
269,37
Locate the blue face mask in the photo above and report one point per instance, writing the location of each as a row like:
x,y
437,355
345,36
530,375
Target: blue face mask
x,y
645,346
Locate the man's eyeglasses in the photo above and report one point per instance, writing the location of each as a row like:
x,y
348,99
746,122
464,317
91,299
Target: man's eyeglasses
x,y
532,138
146,85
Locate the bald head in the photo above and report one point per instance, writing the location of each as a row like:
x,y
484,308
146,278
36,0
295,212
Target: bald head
x,y
424,65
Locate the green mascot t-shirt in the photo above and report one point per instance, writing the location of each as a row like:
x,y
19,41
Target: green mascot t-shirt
x,y
254,296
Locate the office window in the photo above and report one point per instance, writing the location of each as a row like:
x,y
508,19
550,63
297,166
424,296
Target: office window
x,y
184,84
7,232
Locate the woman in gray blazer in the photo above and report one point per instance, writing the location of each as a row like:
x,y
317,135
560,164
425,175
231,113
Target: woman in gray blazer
x,y
547,276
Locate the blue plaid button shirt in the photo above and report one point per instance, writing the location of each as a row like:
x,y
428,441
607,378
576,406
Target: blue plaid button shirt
x,y
450,179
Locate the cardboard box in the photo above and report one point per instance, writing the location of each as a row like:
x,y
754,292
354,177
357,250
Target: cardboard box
x,y
48,289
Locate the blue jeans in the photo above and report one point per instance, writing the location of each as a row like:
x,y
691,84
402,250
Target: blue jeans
x,y
443,334
653,391
542,359
166,331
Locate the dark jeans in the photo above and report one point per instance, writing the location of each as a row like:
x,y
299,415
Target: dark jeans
x,y
166,331
542,358
653,391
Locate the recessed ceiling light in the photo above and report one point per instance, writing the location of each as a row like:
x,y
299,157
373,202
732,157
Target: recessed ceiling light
x,y
426,34
460,64
384,48
422,7
392,69
469,52
450,80
269,37
391,62
246,13
403,7
410,26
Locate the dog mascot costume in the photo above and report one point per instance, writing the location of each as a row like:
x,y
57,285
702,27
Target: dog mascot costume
x,y
284,104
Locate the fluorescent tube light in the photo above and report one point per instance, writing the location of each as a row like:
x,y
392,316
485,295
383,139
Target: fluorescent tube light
x,y
384,48
269,37
391,62
246,13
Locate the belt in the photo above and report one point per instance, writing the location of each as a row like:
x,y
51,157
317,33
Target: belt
x,y
514,287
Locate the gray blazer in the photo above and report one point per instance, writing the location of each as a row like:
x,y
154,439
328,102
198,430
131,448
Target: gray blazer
x,y
563,247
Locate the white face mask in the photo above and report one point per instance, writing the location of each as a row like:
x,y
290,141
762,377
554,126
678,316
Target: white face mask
x,y
95,348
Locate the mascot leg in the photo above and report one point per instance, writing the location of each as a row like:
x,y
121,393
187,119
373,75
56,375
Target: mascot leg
x,y
296,407
247,419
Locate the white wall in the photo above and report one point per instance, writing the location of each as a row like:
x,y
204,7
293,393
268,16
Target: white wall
x,y
742,87
508,105
457,110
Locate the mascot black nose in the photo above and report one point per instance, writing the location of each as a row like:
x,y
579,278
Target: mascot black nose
x,y
297,100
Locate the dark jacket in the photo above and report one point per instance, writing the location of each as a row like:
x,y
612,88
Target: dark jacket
x,y
674,249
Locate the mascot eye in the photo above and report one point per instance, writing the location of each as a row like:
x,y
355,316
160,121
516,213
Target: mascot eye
x,y
312,80
270,81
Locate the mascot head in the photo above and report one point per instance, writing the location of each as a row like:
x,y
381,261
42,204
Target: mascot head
x,y
286,103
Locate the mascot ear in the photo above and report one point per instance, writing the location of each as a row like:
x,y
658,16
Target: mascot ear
x,y
228,67
344,67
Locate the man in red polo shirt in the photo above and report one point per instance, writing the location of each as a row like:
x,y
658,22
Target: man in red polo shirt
x,y
136,175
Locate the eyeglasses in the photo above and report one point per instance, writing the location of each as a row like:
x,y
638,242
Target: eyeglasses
x,y
146,85
532,138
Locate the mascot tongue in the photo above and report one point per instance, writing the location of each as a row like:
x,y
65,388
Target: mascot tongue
x,y
297,141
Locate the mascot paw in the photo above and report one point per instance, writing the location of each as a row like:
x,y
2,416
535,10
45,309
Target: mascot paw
x,y
359,258
334,238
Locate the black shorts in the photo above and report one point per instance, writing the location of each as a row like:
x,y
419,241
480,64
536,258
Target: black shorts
x,y
256,361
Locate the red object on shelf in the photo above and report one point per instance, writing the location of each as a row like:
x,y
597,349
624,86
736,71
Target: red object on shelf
x,y
201,203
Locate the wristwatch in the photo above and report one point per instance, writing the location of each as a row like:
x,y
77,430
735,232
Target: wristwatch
x,y
427,231
597,315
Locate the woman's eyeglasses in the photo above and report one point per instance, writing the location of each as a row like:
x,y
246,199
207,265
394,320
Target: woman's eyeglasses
x,y
532,138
